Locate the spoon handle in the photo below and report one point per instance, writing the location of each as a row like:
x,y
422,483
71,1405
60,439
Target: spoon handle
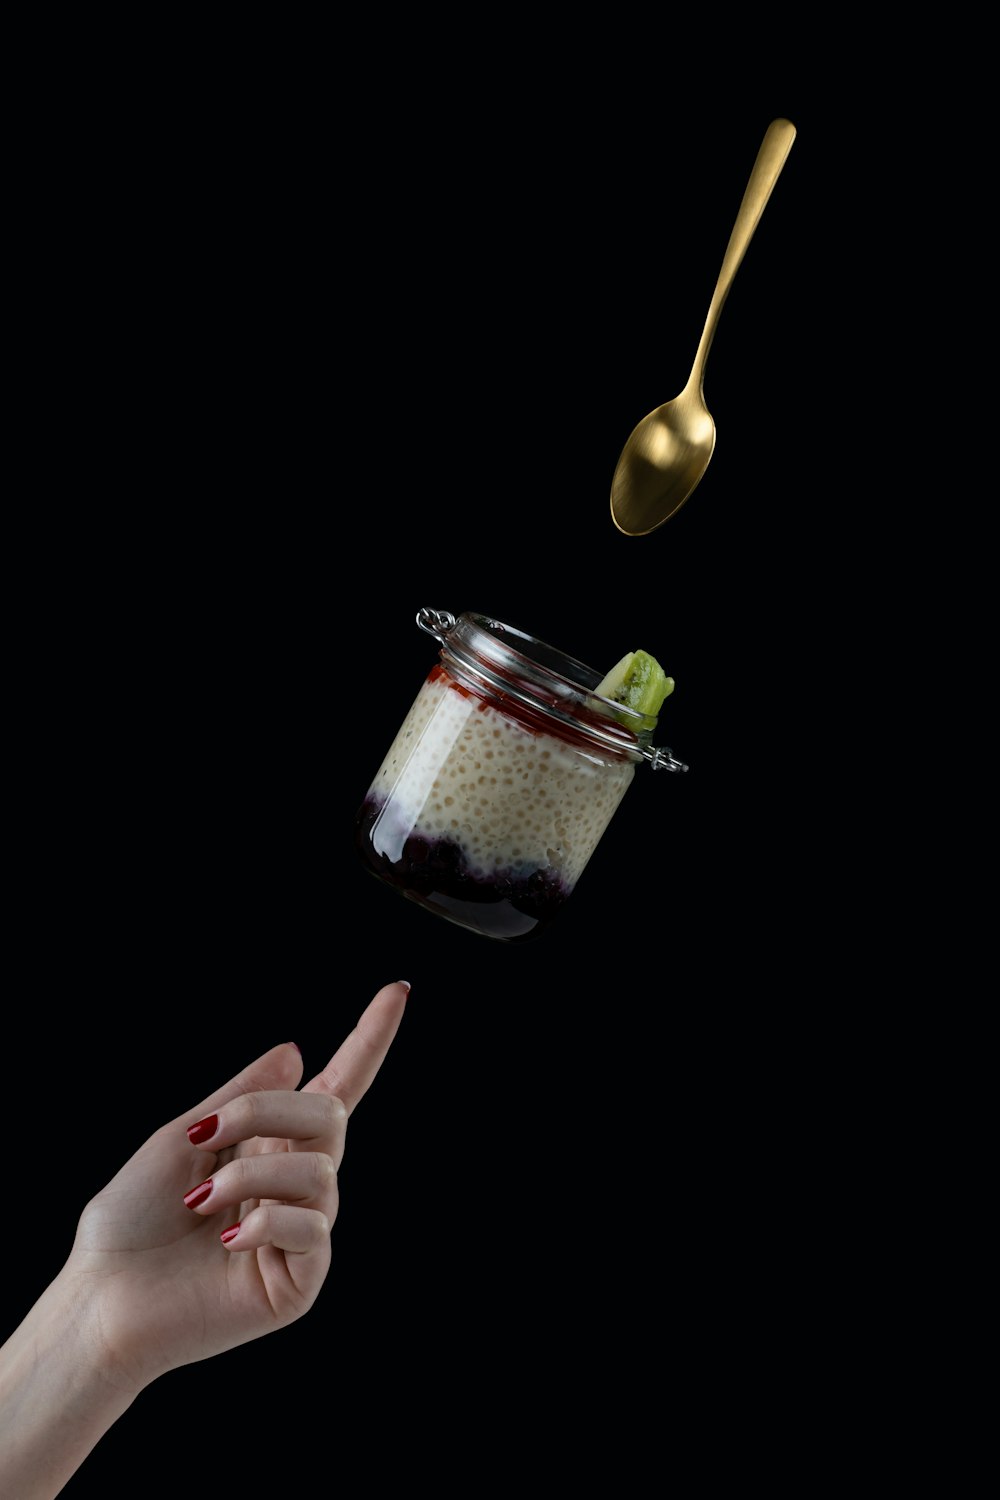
x,y
774,149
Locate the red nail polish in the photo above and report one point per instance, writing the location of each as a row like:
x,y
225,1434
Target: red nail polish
x,y
229,1234
198,1194
203,1130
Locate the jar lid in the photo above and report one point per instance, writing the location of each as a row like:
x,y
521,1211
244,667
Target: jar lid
x,y
541,677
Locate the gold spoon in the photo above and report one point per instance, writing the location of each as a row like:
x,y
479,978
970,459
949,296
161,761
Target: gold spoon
x,y
668,452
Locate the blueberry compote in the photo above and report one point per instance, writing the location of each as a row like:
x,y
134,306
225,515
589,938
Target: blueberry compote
x,y
435,872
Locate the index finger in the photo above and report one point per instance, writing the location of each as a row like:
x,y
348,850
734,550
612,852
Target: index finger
x,y
353,1066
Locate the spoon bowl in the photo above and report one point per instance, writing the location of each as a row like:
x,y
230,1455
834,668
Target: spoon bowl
x,y
667,453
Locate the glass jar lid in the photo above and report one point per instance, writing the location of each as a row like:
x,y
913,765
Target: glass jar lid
x,y
505,660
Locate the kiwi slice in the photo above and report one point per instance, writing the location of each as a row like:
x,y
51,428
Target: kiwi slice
x,y
638,682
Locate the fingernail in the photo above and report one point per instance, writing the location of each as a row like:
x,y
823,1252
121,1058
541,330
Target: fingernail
x,y
297,1048
203,1130
405,983
229,1234
198,1194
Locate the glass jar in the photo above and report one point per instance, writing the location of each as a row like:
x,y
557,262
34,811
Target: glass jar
x,y
501,780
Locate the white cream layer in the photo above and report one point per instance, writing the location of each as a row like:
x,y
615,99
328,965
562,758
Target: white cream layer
x,y
513,799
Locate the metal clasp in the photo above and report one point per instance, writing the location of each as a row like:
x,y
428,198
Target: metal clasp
x,y
435,622
662,759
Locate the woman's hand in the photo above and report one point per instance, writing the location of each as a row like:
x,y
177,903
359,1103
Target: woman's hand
x,y
215,1232
218,1229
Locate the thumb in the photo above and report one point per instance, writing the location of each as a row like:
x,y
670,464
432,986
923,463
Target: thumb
x,y
280,1068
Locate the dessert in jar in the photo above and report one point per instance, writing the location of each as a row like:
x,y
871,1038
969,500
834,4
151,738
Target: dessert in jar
x,y
502,778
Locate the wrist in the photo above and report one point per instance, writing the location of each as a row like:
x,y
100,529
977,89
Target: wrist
x,y
59,1390
70,1317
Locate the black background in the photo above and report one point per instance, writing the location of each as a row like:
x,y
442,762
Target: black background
x,y
311,376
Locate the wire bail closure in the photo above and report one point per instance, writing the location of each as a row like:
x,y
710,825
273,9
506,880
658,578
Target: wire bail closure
x,y
435,622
